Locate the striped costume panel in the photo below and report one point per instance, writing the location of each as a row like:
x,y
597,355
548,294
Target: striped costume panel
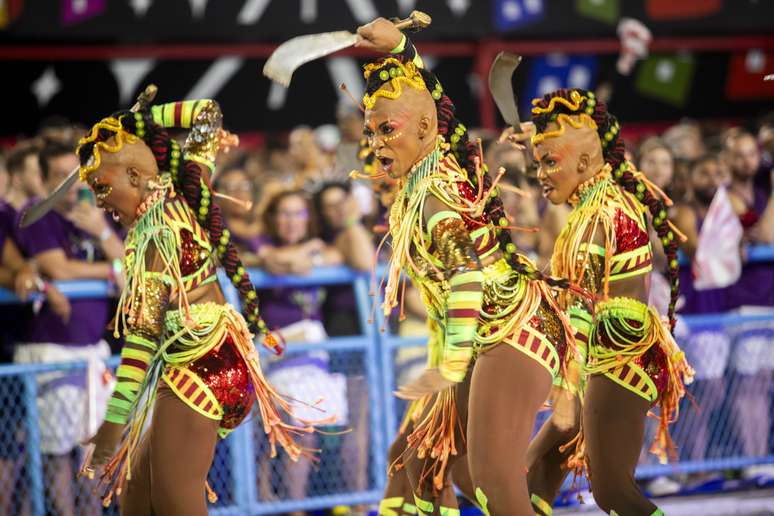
x,y
631,263
634,378
193,391
536,345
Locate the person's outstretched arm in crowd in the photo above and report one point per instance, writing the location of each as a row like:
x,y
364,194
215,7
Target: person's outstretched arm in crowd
x,y
297,258
23,279
55,264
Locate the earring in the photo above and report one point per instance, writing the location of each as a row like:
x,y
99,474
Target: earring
x,y
153,185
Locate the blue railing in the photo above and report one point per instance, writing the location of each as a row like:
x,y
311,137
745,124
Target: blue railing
x,y
377,350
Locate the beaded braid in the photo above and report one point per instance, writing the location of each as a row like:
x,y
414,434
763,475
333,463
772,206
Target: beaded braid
x,y
196,189
613,149
467,155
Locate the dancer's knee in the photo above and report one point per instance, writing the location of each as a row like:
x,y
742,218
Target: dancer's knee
x,y
604,496
501,493
501,500
615,491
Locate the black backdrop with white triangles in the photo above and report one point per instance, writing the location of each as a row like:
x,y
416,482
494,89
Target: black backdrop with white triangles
x,y
84,87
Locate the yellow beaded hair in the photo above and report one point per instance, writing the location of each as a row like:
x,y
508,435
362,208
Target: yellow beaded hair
x,y
573,104
395,76
120,136
577,120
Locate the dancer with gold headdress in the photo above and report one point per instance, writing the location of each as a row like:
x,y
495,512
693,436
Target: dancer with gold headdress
x,y
630,361
501,337
188,353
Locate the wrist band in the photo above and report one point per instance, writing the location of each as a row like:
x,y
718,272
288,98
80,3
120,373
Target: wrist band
x,y
400,46
116,268
105,234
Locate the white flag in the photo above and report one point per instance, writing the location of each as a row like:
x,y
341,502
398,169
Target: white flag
x,y
717,263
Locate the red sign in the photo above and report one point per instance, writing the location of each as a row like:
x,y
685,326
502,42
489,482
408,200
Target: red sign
x,y
746,75
681,9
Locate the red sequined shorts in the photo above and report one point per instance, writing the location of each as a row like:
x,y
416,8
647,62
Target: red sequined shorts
x,y
646,375
217,385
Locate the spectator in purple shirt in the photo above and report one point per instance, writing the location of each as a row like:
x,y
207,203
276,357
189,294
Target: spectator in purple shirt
x,y
752,359
708,348
341,227
749,200
289,247
22,278
73,241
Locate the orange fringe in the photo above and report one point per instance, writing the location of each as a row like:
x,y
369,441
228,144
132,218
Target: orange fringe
x,y
434,438
212,496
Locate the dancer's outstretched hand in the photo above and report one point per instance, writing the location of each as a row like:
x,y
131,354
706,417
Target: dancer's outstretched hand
x,y
105,442
519,140
429,382
227,141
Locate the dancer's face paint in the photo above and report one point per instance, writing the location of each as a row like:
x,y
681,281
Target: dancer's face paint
x,y
113,193
401,131
567,160
120,182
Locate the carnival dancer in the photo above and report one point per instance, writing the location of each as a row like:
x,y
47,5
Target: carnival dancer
x,y
630,361
450,237
187,353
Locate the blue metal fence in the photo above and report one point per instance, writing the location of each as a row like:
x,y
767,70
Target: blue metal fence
x,y
238,462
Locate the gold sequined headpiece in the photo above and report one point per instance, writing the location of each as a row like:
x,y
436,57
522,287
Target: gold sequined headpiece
x,y
115,129
395,73
580,117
